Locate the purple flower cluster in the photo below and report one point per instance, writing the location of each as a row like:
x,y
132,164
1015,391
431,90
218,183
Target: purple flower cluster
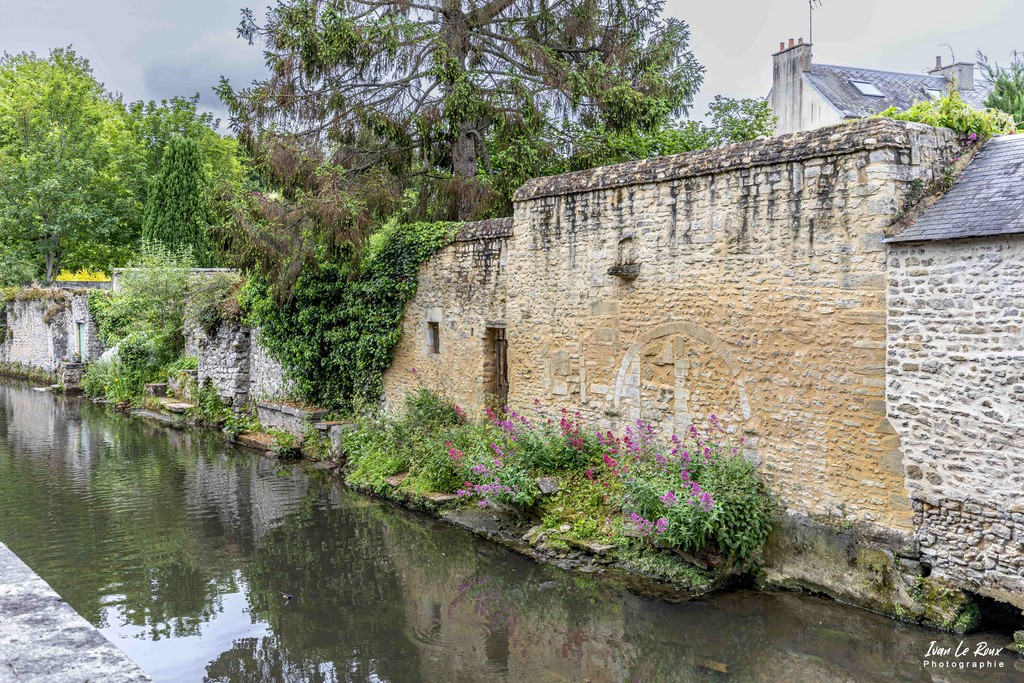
x,y
646,527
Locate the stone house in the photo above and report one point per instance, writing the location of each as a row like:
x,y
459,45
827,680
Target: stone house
x,y
806,95
955,372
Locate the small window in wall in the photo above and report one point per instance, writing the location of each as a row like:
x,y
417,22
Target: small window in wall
x,y
869,89
433,338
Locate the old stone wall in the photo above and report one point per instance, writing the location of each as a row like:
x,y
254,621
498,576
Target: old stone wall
x,y
746,282
956,397
461,291
234,361
44,326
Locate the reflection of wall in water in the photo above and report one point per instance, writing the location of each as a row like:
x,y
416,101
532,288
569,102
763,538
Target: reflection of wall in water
x,y
473,619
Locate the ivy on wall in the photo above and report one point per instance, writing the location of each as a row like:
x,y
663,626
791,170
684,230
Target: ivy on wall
x,y
336,335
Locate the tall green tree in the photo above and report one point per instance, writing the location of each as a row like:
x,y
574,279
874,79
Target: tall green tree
x,y
377,106
64,155
176,205
1007,85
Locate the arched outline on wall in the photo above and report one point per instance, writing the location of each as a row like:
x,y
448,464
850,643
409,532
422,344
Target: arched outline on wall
x,y
695,331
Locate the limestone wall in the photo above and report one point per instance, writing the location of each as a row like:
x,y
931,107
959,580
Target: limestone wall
x,y
746,282
43,328
462,290
956,397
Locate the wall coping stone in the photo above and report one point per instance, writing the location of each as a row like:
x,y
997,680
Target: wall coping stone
x,y
843,138
43,639
493,228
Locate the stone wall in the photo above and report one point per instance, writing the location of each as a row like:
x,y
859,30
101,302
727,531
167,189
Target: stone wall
x,y
462,291
747,282
956,397
234,361
41,327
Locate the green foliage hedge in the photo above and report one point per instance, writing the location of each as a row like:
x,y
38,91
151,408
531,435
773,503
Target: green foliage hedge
x,y
337,333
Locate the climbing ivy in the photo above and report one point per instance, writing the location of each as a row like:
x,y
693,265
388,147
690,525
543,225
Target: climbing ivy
x,y
336,335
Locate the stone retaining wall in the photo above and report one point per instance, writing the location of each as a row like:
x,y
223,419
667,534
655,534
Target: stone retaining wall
x,y
746,282
234,361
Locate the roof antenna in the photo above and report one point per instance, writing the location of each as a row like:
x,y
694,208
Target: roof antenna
x,y
952,55
811,4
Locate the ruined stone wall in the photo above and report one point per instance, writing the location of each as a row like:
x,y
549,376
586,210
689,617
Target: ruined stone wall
x,y
462,290
42,329
234,361
956,397
746,282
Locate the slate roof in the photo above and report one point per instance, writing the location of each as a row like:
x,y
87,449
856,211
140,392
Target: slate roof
x,y
899,89
987,199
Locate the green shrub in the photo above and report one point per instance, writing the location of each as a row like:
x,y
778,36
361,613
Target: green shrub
x,y
212,300
209,408
240,422
106,379
950,111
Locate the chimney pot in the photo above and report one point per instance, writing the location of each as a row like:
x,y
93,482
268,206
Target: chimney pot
x,y
791,42
938,61
801,41
782,45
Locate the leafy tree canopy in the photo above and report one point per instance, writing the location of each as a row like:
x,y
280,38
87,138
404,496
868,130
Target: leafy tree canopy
x,y
63,158
437,109
76,162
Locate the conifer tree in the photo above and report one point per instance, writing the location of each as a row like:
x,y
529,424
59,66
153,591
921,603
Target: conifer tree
x,y
175,213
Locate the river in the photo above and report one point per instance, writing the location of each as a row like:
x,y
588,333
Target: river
x,y
208,562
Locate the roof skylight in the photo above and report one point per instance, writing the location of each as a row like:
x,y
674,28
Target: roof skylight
x,y
869,89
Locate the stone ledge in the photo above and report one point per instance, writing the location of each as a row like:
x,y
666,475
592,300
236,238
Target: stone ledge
x,y
42,639
844,138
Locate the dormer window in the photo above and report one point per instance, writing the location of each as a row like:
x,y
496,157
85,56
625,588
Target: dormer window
x,y
869,89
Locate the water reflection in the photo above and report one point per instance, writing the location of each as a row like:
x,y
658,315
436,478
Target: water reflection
x,y
182,549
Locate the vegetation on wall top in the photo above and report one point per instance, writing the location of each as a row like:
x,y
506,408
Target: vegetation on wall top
x,y
950,111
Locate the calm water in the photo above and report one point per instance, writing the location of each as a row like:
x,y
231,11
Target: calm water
x,y
179,547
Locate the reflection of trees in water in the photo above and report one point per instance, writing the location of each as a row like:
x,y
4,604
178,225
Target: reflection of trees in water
x,y
346,616
167,521
106,506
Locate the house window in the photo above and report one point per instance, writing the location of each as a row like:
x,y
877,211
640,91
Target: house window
x,y
869,89
433,338
934,94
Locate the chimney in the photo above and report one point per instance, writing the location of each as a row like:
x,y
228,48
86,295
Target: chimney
x,y
961,73
790,62
789,65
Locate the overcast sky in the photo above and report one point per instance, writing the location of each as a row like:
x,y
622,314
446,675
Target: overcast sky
x,y
155,49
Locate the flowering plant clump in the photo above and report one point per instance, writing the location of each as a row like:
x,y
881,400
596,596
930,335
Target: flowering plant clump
x,y
692,492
